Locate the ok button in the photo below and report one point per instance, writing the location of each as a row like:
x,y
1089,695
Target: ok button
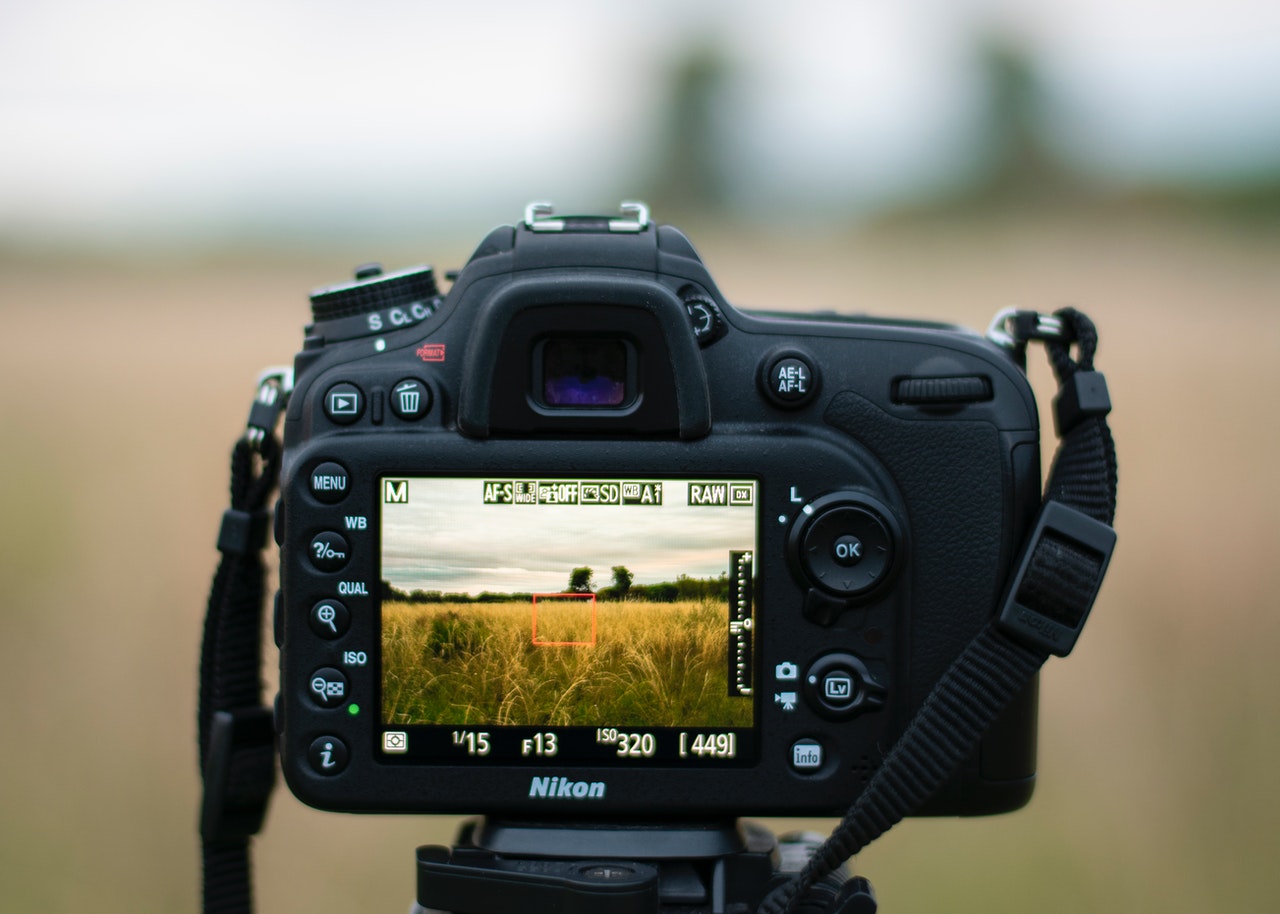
x,y
847,550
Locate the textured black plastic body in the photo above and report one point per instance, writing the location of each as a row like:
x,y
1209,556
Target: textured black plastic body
x,y
961,480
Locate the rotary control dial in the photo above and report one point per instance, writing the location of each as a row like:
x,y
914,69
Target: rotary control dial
x,y
846,544
375,302
705,318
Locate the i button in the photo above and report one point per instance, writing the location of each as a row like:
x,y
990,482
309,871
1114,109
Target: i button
x,y
328,755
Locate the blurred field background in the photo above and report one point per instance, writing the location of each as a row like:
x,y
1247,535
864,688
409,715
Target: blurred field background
x,y
173,180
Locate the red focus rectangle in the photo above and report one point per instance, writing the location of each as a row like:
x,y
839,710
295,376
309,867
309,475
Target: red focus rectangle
x,y
567,618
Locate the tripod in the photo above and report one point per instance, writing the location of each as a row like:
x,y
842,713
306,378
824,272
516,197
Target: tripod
x,y
716,867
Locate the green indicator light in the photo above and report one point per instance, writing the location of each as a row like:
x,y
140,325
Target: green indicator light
x,y
353,709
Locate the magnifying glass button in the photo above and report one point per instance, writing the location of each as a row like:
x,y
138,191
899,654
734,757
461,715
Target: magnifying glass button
x,y
329,619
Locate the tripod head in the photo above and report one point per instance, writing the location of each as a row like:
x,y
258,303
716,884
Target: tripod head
x,y
724,867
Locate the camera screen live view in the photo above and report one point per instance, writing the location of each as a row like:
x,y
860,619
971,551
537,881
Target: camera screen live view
x,y
574,621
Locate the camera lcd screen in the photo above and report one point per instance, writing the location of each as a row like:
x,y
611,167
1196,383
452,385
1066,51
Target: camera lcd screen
x,y
580,621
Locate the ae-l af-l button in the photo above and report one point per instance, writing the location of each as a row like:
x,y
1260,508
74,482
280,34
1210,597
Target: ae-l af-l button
x,y
789,379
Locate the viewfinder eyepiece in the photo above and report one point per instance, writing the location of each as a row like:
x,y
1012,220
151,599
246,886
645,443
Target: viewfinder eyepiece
x,y
585,372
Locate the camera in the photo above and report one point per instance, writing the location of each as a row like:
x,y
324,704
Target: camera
x,y
581,540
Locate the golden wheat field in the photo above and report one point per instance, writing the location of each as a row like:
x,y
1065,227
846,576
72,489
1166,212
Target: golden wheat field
x,y
125,381
573,663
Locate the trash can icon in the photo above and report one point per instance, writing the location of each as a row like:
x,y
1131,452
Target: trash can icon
x,y
408,399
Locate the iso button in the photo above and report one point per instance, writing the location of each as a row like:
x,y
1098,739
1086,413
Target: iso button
x,y
329,551
328,687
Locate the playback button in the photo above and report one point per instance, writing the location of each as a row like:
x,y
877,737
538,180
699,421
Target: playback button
x,y
344,403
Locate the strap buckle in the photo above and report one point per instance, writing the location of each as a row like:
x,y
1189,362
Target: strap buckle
x,y
1058,578
1012,328
239,774
274,387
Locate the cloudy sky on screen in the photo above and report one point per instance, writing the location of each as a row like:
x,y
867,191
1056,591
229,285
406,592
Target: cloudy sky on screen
x,y
447,539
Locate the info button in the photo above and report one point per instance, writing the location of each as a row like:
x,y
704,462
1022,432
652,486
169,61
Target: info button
x,y
806,755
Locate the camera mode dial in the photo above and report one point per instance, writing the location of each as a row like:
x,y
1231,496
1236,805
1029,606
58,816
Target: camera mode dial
x,y
845,544
375,302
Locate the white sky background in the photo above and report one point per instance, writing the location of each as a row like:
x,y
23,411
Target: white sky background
x,y
186,119
447,539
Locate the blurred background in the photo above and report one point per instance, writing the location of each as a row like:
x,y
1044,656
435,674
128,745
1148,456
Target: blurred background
x,y
174,179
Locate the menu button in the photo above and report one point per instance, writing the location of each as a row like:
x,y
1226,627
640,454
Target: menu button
x,y
330,483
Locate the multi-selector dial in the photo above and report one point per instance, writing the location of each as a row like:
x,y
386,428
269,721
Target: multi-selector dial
x,y
845,545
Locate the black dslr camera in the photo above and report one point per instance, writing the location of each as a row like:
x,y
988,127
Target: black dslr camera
x,y
582,548
580,540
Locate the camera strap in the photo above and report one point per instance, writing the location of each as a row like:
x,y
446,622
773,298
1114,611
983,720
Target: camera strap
x,y
237,737
1045,606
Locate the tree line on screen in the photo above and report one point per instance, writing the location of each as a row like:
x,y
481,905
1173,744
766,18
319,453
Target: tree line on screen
x,y
622,586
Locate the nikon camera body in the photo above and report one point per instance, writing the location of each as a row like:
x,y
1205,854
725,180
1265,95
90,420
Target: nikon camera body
x,y
581,540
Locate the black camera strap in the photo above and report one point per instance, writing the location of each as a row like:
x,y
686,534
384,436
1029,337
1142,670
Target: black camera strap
x,y
1047,601
237,737
1046,604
